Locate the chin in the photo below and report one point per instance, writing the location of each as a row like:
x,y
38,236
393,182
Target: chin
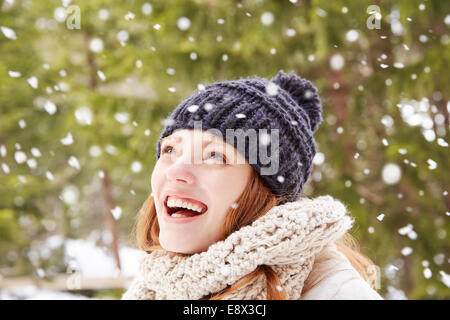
x,y
178,248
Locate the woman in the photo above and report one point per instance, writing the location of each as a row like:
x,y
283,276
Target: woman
x,y
225,219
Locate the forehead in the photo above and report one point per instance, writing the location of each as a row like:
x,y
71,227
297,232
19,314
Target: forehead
x,y
184,134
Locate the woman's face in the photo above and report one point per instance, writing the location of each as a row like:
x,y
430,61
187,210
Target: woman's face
x,y
197,166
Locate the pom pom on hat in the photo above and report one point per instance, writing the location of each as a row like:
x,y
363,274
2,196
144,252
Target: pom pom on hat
x,y
303,93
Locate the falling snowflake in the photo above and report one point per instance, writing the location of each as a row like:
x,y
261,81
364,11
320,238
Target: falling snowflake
x,y
116,212
183,23
67,140
50,107
70,195
122,117
431,164
49,175
35,152
111,149
96,45
73,162
291,32
167,122
267,18
337,62
445,278
136,166
2,150
14,74
33,82
101,75
193,108
8,33
20,157
271,89
208,106
123,36
406,251
32,163
129,16
5,168
352,35
318,158
408,230
103,14
321,13
442,142
84,115
147,8
391,173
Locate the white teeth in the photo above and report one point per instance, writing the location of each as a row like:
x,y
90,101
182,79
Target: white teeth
x,y
180,204
177,215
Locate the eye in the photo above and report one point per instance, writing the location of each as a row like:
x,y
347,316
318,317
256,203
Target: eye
x,y
167,148
218,155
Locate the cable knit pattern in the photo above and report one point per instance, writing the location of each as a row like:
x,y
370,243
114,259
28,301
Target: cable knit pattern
x,y
287,238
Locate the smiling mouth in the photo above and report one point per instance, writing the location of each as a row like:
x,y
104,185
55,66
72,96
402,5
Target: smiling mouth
x,y
183,211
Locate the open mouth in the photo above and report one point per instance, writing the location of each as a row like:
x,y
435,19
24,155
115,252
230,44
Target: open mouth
x,y
182,212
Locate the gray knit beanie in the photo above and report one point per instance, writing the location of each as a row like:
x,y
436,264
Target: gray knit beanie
x,y
287,103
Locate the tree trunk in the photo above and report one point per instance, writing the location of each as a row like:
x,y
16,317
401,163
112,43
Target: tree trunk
x,y
106,183
112,222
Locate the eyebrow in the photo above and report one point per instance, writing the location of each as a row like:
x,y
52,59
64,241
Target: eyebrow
x,y
177,139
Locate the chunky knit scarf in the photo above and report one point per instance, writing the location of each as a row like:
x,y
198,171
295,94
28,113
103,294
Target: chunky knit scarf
x,y
287,238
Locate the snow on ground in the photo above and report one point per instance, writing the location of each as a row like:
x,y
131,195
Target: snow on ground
x,y
83,257
34,293
94,262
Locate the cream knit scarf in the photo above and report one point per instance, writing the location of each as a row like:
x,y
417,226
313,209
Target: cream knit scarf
x,y
287,238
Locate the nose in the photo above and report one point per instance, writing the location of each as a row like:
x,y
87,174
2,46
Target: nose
x,y
181,169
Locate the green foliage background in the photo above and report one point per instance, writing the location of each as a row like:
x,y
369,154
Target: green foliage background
x,y
355,100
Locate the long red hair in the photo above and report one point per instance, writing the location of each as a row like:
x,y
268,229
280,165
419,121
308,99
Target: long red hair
x,y
253,203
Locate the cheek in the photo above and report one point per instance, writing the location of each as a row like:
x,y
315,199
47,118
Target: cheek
x,y
157,178
226,186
